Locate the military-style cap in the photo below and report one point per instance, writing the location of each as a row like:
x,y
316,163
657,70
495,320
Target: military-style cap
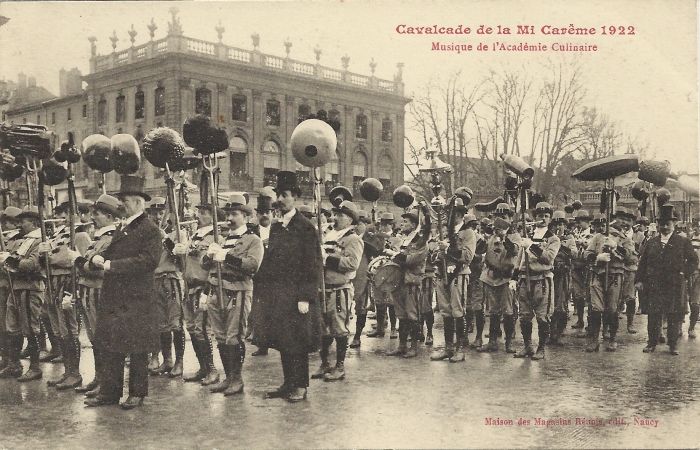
x,y
543,207
156,204
108,204
237,202
411,215
599,218
387,217
469,218
503,208
582,214
349,209
559,217
11,212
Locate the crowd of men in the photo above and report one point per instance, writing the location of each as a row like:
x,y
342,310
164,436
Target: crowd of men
x,y
137,285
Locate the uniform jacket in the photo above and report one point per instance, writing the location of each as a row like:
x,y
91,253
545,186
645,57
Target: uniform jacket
x,y
541,255
501,258
28,273
623,253
243,258
412,259
582,239
567,251
290,273
88,274
127,319
195,273
461,252
12,239
359,283
169,264
59,259
663,271
344,256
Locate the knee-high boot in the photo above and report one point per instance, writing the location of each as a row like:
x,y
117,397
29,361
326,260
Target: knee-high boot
x,y
403,339
359,326
179,343
381,326
449,330
326,342
226,359
72,352
526,330
14,348
201,372
338,372
166,343
595,319
694,313
207,349
34,371
66,362
479,320
237,358
543,335
414,330
509,329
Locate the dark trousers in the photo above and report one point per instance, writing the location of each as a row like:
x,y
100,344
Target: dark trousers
x,y
654,322
296,369
112,374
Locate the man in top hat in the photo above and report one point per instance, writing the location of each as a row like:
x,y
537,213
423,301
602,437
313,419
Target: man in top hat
x,y
170,286
451,290
537,299
197,281
106,211
628,295
264,212
694,285
63,315
290,275
372,247
383,302
12,236
609,254
667,261
240,257
562,276
127,317
341,252
24,305
500,259
580,273
411,257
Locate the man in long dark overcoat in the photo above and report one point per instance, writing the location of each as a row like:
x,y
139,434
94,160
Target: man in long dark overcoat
x,y
667,261
288,280
127,318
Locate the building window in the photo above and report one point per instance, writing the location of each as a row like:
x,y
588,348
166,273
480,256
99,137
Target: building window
x,y
139,105
38,120
24,120
239,105
303,174
304,112
271,162
239,150
160,101
359,169
84,111
386,131
385,167
69,114
121,109
202,100
361,126
53,118
101,112
273,113
332,175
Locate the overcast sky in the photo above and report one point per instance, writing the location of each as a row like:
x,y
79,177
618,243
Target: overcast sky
x,y
646,82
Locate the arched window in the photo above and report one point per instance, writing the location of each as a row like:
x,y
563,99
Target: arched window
x,y
332,176
271,162
121,108
304,112
239,149
102,112
361,126
160,101
359,169
273,113
385,168
386,130
202,101
139,105
239,108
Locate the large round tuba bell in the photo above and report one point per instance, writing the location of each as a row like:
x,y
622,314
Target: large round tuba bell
x,y
518,166
577,205
52,173
371,189
403,196
313,143
97,150
163,146
639,191
125,155
569,209
489,206
655,172
338,195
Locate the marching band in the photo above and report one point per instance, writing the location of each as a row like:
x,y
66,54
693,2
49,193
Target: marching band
x,y
286,278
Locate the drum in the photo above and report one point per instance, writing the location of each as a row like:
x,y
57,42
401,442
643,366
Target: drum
x,y
384,275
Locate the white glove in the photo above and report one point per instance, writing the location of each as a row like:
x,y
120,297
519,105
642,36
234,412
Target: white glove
x,y
4,256
213,249
303,307
73,254
603,257
67,302
391,253
220,256
526,243
44,247
180,249
98,261
203,298
513,285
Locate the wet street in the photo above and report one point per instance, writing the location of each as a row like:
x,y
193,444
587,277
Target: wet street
x,y
391,402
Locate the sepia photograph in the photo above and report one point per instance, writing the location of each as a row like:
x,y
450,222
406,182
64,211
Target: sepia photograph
x,y
349,224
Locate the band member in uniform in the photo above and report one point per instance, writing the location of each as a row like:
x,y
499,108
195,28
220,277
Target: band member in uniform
x,y
240,257
24,305
411,257
290,275
61,308
105,213
537,299
458,251
694,287
562,276
197,281
362,289
666,262
170,286
12,236
387,234
580,273
501,258
475,291
609,254
628,294
127,315
342,253
428,286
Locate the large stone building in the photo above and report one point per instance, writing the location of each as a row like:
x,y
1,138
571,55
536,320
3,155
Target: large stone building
x,y
259,98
